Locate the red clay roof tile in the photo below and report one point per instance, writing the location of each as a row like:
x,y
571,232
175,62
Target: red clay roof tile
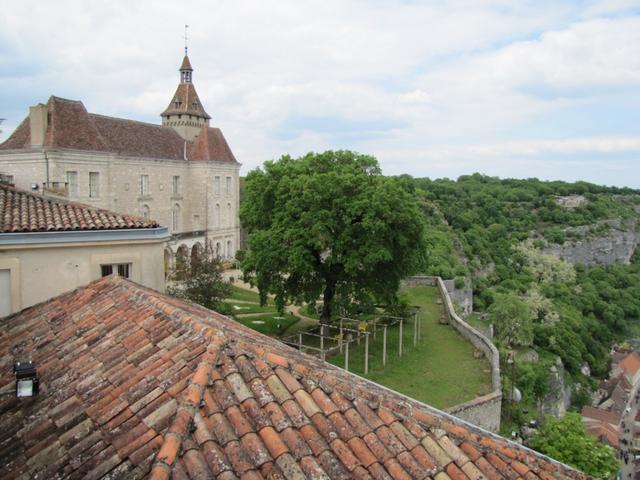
x,y
22,211
205,401
72,127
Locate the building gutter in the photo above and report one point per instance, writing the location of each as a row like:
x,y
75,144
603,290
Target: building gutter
x,y
157,234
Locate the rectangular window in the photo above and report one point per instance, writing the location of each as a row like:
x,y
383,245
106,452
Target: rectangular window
x,y
228,185
72,182
5,292
176,185
144,185
94,184
216,185
121,269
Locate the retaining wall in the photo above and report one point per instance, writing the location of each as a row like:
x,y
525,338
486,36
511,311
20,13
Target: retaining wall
x,y
483,411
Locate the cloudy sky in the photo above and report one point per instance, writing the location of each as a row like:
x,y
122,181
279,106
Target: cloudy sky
x,y
547,89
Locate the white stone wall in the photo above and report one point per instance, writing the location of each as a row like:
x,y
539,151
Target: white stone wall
x,y
41,272
201,207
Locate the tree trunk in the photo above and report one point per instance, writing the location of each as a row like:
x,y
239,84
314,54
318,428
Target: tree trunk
x,y
327,300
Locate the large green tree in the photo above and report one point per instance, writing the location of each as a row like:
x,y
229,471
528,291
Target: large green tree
x,y
512,319
566,440
329,225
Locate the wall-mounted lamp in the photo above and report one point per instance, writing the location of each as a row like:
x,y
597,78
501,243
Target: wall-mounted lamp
x,y
26,379
34,186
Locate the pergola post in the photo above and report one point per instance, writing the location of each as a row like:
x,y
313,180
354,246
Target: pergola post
x,y
384,346
400,347
366,353
346,356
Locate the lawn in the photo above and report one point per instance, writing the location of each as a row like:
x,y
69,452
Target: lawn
x,y
246,309
243,295
243,308
441,370
271,324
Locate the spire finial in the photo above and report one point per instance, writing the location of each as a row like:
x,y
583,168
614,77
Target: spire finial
x,y
185,38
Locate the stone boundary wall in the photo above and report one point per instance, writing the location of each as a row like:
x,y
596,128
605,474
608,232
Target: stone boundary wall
x,y
483,411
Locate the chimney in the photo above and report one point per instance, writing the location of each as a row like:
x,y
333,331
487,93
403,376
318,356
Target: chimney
x,y
38,124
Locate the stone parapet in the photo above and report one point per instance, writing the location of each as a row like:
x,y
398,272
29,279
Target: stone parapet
x,y
483,411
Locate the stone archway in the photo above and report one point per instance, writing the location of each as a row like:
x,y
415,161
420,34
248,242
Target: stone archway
x,y
169,262
182,259
196,254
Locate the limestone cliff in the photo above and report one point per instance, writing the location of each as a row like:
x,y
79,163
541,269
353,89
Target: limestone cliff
x,y
617,245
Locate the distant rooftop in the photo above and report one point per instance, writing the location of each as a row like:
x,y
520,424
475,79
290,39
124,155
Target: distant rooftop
x,y
70,126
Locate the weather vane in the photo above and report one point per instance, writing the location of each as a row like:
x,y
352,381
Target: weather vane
x,y
185,38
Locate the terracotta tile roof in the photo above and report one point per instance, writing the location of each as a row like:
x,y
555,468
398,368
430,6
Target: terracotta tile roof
x,y
601,415
186,64
630,364
20,138
137,384
22,211
185,102
211,145
71,126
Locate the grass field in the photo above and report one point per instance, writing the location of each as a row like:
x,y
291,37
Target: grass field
x,y
271,324
441,370
246,309
243,295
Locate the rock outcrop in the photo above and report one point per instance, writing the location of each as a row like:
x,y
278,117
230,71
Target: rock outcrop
x,y
616,246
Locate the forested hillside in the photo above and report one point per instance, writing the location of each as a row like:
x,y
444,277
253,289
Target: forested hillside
x,y
497,232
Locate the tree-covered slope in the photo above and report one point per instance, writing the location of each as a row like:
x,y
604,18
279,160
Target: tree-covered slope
x,y
494,231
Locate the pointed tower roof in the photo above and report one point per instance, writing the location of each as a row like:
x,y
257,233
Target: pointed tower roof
x,y
186,100
186,64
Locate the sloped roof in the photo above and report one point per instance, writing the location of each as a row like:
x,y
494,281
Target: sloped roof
x,y
71,126
137,384
600,415
630,364
211,145
186,64
602,424
22,211
185,102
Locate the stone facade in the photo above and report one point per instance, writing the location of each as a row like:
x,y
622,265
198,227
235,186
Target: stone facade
x,y
186,179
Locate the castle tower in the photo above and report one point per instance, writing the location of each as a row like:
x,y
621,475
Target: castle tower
x,y
185,112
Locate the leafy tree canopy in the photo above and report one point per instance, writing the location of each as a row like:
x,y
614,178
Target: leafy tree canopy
x,y
330,225
566,440
512,319
200,280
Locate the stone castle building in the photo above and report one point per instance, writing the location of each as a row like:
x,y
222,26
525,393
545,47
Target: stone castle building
x,y
181,173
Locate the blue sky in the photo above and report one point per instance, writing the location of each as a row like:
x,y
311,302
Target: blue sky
x,y
545,89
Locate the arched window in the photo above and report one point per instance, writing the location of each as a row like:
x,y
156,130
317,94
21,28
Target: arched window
x,y
229,219
146,212
218,248
216,216
175,218
229,249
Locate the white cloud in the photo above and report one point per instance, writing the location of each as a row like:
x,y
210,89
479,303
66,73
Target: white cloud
x,y
451,78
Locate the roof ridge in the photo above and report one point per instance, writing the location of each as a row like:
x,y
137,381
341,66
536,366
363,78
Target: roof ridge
x,y
59,202
185,414
129,120
55,97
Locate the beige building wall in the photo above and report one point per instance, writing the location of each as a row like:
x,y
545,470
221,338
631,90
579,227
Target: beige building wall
x,y
202,202
40,272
